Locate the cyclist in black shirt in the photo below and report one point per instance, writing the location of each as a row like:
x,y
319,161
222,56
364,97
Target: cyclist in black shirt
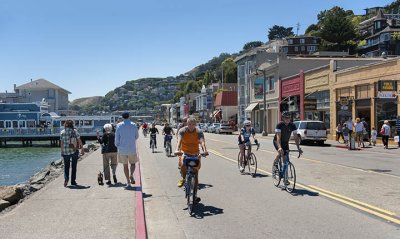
x,y
153,130
167,130
283,132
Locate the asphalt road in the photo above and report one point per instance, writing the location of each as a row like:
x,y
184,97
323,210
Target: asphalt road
x,y
339,194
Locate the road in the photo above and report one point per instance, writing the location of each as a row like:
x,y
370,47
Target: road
x,y
339,194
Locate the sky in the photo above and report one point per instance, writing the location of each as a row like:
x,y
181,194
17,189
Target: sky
x,y
90,47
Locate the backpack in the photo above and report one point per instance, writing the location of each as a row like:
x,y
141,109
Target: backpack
x,y
73,140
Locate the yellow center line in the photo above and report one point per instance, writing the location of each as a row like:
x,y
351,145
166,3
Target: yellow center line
x,y
334,196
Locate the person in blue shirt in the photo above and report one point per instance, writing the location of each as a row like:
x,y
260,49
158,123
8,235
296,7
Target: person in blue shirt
x,y
244,139
126,136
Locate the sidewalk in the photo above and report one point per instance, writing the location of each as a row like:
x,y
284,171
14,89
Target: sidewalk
x,y
84,211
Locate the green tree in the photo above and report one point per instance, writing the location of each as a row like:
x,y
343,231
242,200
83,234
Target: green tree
x,y
229,70
208,78
336,27
252,44
279,32
394,7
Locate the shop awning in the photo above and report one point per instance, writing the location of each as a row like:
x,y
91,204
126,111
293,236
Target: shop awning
x,y
216,112
251,107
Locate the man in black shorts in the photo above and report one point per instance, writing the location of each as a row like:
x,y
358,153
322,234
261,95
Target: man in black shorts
x,y
283,132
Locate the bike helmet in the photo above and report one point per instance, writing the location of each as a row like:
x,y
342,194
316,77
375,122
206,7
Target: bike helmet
x,y
247,123
286,114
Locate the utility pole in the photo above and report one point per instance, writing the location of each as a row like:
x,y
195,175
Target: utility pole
x,y
297,28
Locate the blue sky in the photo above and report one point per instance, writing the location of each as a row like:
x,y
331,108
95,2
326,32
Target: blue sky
x,y
90,47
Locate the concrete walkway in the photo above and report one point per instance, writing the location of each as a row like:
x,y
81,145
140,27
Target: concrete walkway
x,y
84,211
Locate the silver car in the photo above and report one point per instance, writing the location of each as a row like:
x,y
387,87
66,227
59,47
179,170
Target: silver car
x,y
224,128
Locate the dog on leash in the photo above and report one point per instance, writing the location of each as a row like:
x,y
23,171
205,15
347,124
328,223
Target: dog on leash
x,y
100,178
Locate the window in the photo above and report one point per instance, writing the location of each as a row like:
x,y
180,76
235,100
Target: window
x,y
22,124
285,50
302,41
303,48
15,124
88,122
1,124
296,48
31,124
290,41
311,48
362,91
8,124
271,81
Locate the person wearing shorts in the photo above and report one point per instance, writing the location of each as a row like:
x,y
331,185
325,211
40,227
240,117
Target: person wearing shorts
x,y
126,137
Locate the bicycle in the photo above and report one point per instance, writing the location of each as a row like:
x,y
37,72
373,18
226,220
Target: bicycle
x,y
168,147
286,172
152,142
190,161
250,160
144,132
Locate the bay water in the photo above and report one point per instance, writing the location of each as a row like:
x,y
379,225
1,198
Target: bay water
x,y
18,164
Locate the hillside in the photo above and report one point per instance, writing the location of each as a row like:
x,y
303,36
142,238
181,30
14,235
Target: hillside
x,y
87,101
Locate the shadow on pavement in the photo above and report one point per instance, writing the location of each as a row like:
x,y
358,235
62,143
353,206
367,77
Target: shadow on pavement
x,y
134,188
204,186
78,187
200,211
117,185
303,192
145,195
260,175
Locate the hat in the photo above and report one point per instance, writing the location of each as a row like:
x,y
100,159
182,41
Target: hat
x,y
125,115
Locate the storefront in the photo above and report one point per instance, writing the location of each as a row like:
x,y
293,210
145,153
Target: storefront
x,y
291,96
369,93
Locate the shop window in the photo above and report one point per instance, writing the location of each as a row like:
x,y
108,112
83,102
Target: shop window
x,y
386,110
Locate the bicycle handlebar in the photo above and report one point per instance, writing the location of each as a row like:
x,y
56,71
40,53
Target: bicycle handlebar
x,y
181,153
294,151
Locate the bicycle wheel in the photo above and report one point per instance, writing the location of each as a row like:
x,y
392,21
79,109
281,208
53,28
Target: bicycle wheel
x,y
238,161
275,174
167,149
252,164
152,146
291,177
190,193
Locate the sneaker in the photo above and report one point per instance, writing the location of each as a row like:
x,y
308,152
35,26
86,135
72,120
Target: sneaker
x,y
65,183
181,182
287,183
132,180
73,183
197,200
241,169
108,182
115,179
128,184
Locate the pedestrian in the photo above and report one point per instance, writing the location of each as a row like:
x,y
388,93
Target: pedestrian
x,y
398,130
109,151
385,132
346,134
373,136
339,132
359,132
70,143
366,131
126,137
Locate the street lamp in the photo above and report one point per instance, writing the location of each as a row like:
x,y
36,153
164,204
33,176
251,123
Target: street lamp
x,y
264,132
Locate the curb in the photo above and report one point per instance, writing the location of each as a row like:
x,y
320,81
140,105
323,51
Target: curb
x,y
140,228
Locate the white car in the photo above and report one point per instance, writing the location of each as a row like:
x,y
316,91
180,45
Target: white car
x,y
311,131
213,127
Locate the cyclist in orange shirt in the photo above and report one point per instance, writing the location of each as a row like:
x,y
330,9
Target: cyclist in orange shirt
x,y
189,139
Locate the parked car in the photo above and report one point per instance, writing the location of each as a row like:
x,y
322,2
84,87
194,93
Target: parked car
x,y
212,128
311,131
224,128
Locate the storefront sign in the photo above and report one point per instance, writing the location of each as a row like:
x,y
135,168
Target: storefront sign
x,y
387,94
310,104
387,85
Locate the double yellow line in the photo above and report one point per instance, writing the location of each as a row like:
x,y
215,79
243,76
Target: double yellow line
x,y
376,211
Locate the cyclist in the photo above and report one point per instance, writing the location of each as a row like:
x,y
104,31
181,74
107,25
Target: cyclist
x,y
189,139
282,135
144,127
244,139
153,131
167,130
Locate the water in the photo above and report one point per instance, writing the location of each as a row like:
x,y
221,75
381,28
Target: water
x,y
18,164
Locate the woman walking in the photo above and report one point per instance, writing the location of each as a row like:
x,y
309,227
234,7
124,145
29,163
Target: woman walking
x,y
70,143
360,132
109,152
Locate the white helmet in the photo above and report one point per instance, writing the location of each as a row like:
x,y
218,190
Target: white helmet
x,y
247,123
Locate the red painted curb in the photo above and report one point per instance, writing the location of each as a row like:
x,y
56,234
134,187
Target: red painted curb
x,y
141,231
